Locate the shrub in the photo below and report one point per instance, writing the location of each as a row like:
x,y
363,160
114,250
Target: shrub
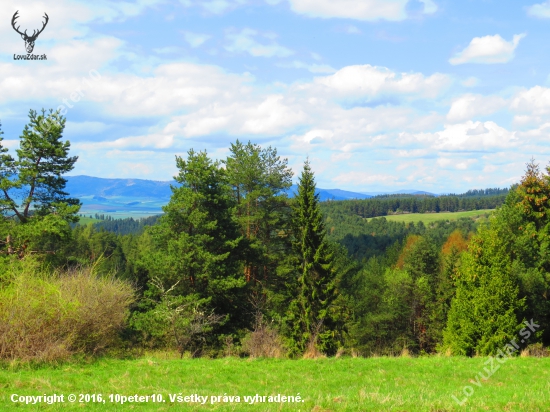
x,y
264,341
181,322
52,317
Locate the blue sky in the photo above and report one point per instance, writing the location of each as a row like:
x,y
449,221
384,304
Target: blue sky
x,y
434,95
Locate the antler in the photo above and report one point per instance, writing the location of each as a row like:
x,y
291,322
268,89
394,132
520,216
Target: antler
x,y
15,16
34,36
44,24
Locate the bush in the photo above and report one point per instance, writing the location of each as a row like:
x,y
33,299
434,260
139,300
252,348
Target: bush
x,y
52,317
182,322
264,341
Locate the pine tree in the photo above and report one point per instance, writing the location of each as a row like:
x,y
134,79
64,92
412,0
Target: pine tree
x,y
259,179
39,223
36,176
197,243
316,286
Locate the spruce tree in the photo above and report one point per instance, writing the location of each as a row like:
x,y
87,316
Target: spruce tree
x,y
316,286
485,312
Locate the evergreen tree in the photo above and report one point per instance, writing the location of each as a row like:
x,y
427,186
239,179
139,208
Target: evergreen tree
x,y
197,244
484,313
316,286
259,179
40,221
36,175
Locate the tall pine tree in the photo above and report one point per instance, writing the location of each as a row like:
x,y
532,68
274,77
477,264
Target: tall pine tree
x,y
197,243
35,211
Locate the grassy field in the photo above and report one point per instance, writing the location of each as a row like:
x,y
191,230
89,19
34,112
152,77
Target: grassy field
x,y
85,220
432,217
346,384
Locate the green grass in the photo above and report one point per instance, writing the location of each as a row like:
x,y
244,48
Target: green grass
x,y
85,220
372,384
432,217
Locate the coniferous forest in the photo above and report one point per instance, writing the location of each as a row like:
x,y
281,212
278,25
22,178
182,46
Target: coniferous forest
x,y
236,266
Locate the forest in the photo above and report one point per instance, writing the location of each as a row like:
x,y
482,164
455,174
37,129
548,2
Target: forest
x,y
236,267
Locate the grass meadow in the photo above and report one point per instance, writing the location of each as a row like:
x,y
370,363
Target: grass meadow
x,y
344,384
433,217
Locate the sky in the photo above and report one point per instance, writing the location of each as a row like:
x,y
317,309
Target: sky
x,y
434,95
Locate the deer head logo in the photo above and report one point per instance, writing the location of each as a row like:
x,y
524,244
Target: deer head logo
x,y
29,40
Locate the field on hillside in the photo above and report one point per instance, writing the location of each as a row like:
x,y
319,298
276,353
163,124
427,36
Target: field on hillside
x,y
84,220
345,384
433,217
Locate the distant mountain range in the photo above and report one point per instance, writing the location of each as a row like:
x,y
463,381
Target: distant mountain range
x,y
79,186
125,197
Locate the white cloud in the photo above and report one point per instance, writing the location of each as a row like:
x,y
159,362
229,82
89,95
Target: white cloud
x,y
541,10
479,129
361,178
534,102
154,140
473,105
270,116
367,10
488,50
245,42
456,138
313,68
454,163
370,80
195,39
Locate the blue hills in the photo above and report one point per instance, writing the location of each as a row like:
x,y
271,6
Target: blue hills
x,y
140,197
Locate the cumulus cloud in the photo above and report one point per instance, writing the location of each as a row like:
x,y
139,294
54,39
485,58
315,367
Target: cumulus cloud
x,y
488,50
245,42
367,10
367,80
272,115
456,138
533,105
168,89
541,10
473,105
479,129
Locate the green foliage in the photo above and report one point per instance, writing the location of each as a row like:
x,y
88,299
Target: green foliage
x,y
40,222
484,313
197,243
505,274
382,206
259,178
181,322
310,312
